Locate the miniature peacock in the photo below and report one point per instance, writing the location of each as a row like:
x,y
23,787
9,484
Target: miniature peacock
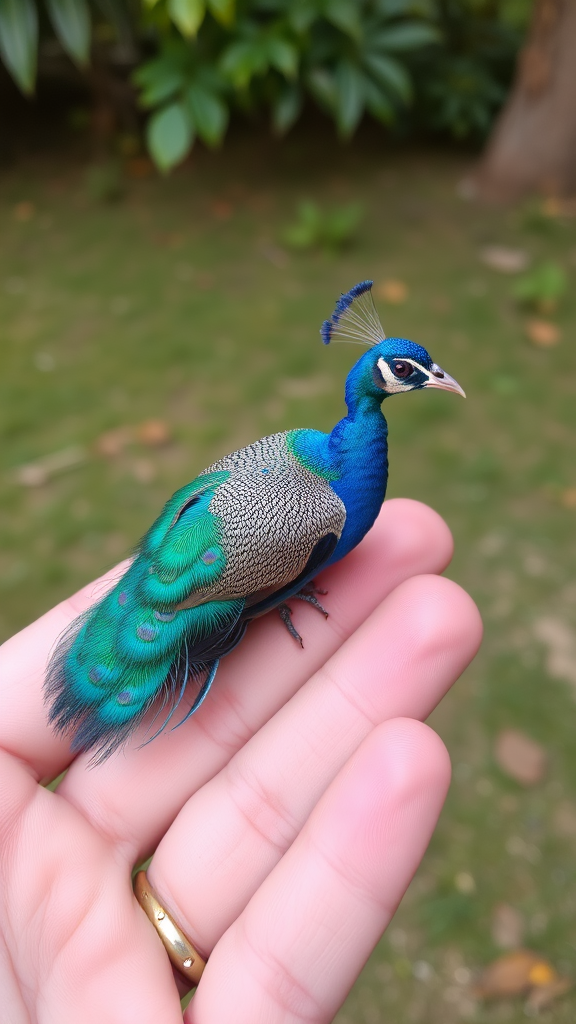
x,y
249,533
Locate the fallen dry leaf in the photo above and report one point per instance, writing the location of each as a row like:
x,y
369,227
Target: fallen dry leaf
x,y
512,974
24,211
522,972
392,291
440,303
565,819
467,188
542,333
36,474
205,281
544,995
153,433
169,239
542,973
139,167
507,261
508,926
143,470
222,209
32,475
553,206
560,640
568,497
520,757
465,883
276,256
113,442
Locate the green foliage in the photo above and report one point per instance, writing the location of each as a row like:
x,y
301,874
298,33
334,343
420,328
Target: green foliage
x,y
186,95
542,287
354,65
464,97
187,15
19,39
318,228
169,135
440,64
446,913
462,83
104,182
71,21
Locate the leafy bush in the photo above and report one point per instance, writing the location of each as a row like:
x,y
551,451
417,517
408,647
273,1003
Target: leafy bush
x,y
196,60
463,81
318,228
346,54
542,287
105,182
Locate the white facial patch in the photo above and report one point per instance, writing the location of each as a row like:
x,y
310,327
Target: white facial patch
x,y
393,385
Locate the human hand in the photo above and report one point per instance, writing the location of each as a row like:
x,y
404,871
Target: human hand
x,y
288,814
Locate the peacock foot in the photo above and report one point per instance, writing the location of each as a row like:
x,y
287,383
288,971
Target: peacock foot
x,y
308,594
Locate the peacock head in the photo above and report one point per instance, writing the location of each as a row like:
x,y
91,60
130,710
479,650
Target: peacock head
x,y
392,365
400,365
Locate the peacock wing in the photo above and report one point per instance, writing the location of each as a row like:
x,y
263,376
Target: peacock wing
x,y
114,661
249,525
274,519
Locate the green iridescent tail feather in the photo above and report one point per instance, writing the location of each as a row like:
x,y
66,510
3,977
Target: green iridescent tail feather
x,y
137,644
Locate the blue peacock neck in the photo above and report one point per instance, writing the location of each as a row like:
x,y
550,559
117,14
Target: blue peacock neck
x,y
353,457
358,445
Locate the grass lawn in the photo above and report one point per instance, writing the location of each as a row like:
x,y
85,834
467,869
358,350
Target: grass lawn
x,y
178,303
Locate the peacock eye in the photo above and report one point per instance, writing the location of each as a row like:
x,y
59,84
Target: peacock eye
x,y
402,369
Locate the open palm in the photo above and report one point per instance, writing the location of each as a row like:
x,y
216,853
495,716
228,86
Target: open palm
x,y
288,815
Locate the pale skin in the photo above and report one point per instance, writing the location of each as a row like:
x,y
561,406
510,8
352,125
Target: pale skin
x,y
288,815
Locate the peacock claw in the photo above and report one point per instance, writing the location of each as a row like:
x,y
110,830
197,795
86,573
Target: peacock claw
x,y
285,614
313,600
308,594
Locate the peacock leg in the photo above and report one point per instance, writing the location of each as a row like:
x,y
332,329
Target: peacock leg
x,y
285,614
308,594
311,588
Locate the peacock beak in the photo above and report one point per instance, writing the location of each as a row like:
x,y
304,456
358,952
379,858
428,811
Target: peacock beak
x,y
438,378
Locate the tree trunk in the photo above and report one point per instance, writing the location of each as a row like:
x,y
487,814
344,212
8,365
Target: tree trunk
x,y
533,145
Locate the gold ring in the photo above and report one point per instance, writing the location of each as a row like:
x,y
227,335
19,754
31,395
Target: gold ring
x,y
183,955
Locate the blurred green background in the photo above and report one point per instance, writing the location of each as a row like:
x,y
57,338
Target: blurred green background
x,y
194,302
